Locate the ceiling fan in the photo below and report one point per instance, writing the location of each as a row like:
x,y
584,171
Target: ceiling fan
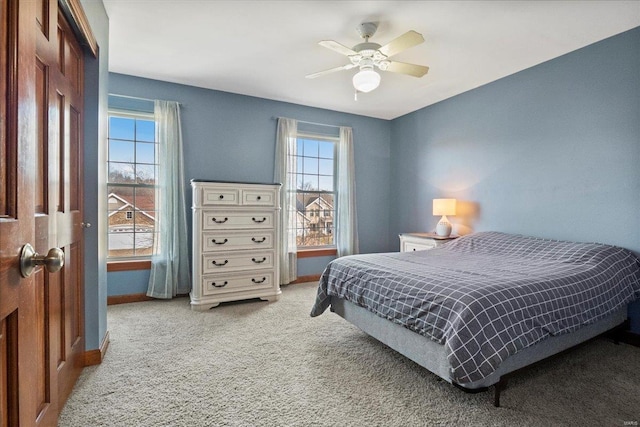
x,y
368,56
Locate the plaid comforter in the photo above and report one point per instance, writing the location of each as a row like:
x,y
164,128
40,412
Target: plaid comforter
x,y
487,295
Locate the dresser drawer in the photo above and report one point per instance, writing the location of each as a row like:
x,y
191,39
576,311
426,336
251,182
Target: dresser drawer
x,y
422,246
220,196
236,240
223,283
220,220
234,261
259,197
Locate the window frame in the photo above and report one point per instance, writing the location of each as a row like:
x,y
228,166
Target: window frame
x,y
132,262
320,250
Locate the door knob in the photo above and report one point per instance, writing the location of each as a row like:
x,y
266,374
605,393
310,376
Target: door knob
x,y
29,259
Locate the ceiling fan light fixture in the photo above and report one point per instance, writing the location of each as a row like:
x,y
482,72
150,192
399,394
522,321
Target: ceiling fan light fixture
x,y
366,80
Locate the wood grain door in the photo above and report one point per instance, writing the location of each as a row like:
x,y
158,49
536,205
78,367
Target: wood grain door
x,y
41,316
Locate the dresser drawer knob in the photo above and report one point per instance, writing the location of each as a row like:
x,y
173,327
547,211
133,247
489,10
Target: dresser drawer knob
x,y
259,220
215,285
259,197
220,264
253,239
220,243
259,261
221,196
259,281
220,222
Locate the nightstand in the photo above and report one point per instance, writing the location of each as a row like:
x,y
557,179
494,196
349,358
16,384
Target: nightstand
x,y
422,241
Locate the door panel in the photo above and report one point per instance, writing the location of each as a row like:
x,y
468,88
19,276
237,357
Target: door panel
x,y
17,188
46,398
69,215
43,388
61,151
74,159
42,16
9,369
42,136
41,316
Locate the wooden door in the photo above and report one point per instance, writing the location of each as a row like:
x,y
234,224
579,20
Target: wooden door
x,y
41,316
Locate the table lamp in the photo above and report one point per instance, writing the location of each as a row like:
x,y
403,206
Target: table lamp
x,y
444,207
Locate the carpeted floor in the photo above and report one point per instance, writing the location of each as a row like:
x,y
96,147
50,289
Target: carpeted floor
x,y
270,364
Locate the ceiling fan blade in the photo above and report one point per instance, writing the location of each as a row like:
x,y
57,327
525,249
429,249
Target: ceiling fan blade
x,y
405,41
337,47
410,69
332,70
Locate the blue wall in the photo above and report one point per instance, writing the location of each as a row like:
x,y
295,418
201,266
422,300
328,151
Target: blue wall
x,y
232,137
552,151
128,282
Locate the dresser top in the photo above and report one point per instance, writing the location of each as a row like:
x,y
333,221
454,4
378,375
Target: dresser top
x,y
234,182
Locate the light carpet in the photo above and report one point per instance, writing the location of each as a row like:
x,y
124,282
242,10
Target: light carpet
x,y
269,364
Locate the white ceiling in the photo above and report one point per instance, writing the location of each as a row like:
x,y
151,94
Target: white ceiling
x,y
265,48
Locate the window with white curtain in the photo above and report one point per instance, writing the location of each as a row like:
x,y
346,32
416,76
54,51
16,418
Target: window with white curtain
x,y
315,160
318,198
132,183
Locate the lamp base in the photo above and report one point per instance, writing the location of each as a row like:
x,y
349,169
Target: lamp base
x,y
443,229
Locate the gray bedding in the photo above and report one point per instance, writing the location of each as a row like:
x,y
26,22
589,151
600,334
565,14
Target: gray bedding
x,y
488,295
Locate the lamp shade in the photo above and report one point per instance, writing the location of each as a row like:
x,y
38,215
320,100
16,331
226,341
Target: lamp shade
x,y
366,80
444,207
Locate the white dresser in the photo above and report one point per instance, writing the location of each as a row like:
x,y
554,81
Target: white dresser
x,y
235,242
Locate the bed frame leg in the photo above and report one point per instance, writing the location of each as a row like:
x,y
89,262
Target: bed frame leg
x,y
500,385
618,332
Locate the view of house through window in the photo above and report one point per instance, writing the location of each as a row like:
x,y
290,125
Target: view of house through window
x,y
133,167
315,191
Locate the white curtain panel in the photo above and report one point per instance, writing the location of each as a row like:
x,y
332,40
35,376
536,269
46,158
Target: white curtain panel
x,y
284,173
170,274
346,225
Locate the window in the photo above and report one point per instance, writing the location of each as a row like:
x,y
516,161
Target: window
x,y
132,166
315,191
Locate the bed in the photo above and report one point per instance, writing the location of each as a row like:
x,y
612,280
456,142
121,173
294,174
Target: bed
x,y
484,305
